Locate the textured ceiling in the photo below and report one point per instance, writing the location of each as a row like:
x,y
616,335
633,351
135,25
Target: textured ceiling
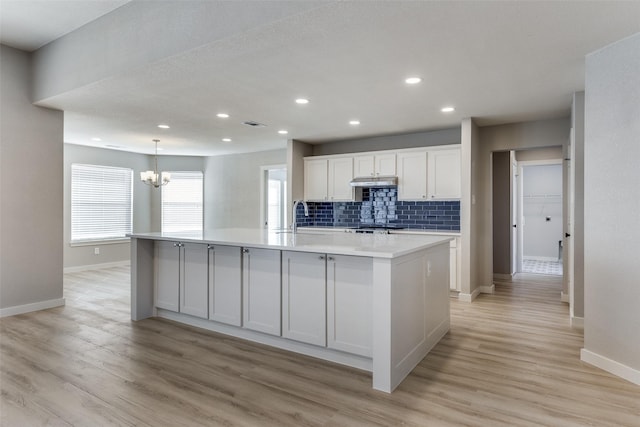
x,y
498,62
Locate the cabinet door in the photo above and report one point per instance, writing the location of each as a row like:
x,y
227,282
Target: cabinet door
x,y
385,164
304,312
444,174
364,166
340,176
315,179
225,284
349,304
167,275
261,297
193,280
412,175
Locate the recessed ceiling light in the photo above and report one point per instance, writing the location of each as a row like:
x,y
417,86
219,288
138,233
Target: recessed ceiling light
x,y
96,139
354,122
223,115
226,139
412,80
163,126
447,109
302,101
283,132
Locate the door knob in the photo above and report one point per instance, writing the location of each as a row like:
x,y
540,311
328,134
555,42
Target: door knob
x,y
567,235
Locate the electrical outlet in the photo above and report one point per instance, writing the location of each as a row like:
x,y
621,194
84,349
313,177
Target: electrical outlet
x,y
96,251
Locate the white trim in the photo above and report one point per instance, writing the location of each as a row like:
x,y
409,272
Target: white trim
x,y
577,322
611,366
79,268
469,297
99,242
502,276
564,297
27,308
491,289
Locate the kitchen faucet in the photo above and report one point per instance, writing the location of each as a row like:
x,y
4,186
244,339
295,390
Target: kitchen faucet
x,y
294,224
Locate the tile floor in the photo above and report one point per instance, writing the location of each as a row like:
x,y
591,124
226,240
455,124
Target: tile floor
x,y
542,267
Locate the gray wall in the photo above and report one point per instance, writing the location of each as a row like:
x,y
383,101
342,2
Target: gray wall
x,y
612,175
146,200
390,142
232,188
577,162
550,153
501,187
31,191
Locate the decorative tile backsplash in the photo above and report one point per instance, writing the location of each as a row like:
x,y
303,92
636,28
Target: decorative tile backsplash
x,y
380,206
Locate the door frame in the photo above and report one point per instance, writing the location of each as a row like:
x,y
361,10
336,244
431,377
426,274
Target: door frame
x,y
264,188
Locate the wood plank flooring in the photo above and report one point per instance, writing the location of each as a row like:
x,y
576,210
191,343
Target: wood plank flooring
x,y
510,359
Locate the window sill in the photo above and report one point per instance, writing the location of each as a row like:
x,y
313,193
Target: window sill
x,y
100,242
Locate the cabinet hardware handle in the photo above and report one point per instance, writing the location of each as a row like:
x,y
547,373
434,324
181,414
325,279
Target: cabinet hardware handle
x,y
245,251
331,258
321,257
210,247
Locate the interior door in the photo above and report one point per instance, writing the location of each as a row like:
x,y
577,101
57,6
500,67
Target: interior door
x,y
514,214
567,243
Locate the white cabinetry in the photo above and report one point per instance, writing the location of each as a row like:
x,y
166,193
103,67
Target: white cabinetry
x,y
444,174
454,264
261,290
304,297
328,179
225,284
315,179
167,275
181,277
374,165
349,304
412,175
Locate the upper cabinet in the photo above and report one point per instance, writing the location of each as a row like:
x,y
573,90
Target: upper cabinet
x,y
430,173
374,165
328,179
412,175
444,174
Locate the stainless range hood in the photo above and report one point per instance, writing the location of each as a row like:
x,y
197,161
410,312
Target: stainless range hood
x,y
374,181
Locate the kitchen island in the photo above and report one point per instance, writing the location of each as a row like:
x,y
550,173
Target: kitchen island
x,y
377,302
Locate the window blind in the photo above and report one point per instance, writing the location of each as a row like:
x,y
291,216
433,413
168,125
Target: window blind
x,y
182,206
101,199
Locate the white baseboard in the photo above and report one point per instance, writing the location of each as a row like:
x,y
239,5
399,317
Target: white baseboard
x,y
27,308
502,276
469,297
491,289
540,258
577,322
79,268
564,297
611,366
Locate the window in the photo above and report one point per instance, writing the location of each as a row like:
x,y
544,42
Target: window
x,y
101,199
182,202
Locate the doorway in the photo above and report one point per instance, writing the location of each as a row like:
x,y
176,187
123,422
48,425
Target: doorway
x,y
273,197
541,217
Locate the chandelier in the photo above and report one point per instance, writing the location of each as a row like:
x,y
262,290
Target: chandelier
x,y
152,177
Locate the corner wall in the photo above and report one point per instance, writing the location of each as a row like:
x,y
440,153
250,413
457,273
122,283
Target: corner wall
x,y
611,255
146,201
31,193
232,188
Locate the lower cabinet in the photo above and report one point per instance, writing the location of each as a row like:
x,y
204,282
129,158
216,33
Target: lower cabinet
x,y
181,277
304,302
349,304
261,296
454,264
225,284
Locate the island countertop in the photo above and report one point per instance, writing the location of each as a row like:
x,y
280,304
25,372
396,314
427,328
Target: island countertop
x,y
368,245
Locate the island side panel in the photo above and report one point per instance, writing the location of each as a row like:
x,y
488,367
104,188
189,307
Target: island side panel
x,y
411,312
142,262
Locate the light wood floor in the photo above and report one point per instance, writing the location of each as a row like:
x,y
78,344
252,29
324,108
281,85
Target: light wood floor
x,y
510,359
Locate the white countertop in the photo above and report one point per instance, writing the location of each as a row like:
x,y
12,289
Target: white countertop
x,y
369,245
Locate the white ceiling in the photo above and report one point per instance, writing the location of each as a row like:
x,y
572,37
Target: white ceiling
x,y
498,62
